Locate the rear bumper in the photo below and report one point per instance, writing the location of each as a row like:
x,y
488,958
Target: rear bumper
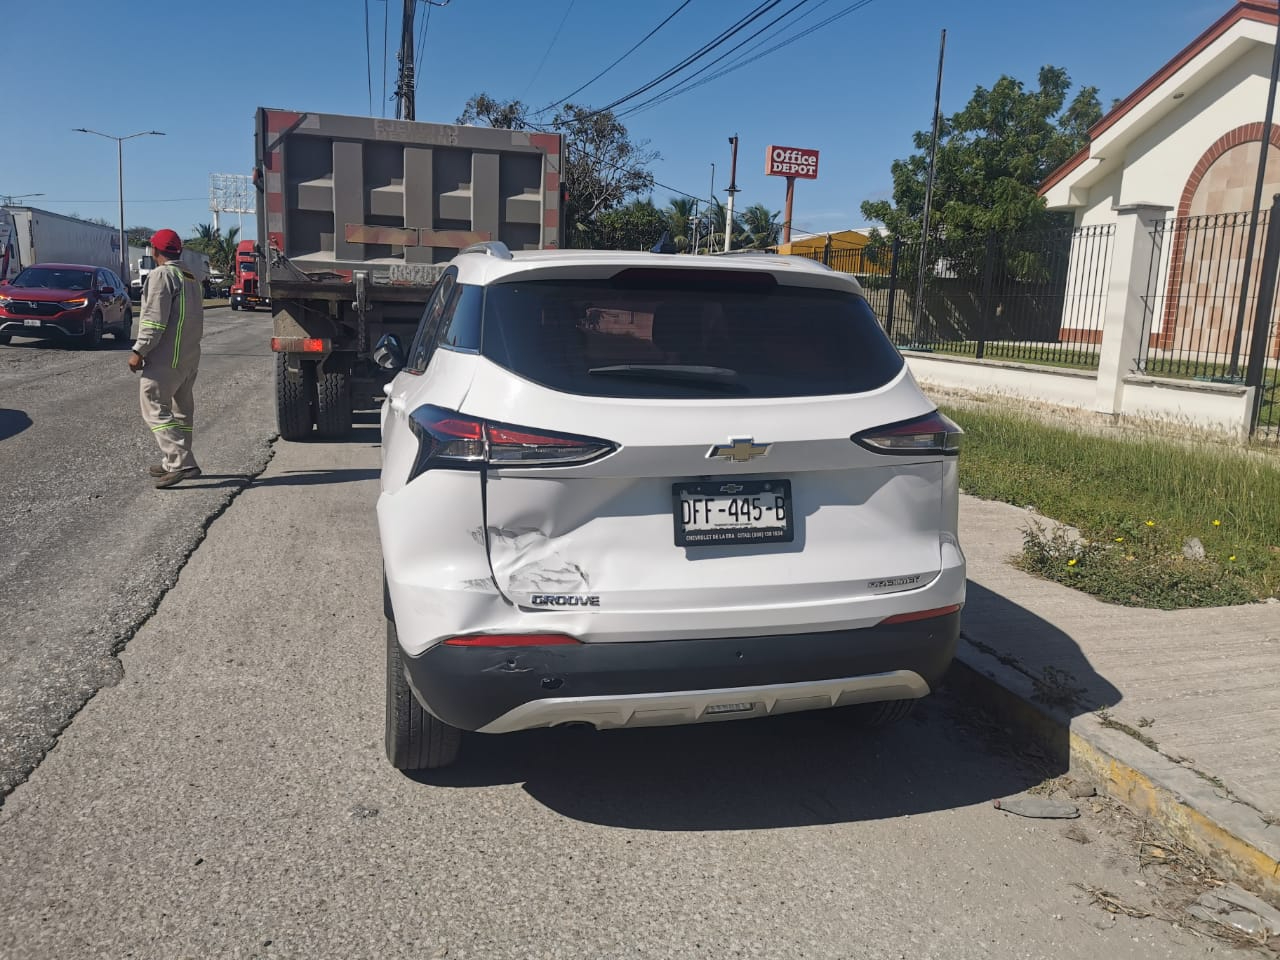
x,y
498,690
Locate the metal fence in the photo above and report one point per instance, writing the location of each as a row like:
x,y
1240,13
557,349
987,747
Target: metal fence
x,y
1037,297
1201,312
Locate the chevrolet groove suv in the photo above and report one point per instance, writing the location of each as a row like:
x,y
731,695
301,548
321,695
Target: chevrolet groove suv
x,y
629,489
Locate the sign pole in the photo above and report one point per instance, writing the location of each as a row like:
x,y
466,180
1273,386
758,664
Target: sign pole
x,y
786,217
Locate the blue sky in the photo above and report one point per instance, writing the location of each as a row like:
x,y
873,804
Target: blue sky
x,y
856,90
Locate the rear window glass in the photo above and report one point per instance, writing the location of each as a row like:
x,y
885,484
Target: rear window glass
x,y
592,338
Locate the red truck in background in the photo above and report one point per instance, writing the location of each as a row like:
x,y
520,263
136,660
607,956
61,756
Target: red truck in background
x,y
245,292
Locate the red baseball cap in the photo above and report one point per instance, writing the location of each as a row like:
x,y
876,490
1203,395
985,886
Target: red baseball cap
x,y
167,242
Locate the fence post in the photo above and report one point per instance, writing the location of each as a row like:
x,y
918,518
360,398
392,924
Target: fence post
x,y
988,269
893,285
826,252
1262,316
1124,322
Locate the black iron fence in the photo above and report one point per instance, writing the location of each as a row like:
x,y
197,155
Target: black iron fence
x,y
1037,297
1204,318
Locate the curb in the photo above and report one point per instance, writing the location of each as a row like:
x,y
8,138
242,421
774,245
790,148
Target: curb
x,y
1228,833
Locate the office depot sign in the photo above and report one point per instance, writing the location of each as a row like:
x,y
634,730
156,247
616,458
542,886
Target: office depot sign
x,y
791,162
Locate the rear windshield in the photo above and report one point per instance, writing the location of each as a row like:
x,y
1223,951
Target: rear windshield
x,y
592,338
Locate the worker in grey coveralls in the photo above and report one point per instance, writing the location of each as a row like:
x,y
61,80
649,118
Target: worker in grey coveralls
x,y
167,353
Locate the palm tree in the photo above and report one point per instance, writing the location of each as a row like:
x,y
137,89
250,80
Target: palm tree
x,y
761,227
680,221
221,250
716,217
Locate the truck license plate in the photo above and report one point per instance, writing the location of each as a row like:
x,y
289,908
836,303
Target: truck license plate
x,y
730,513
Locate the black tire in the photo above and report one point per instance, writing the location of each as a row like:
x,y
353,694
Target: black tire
x,y
871,715
4,339
124,332
234,305
333,406
92,338
294,400
415,740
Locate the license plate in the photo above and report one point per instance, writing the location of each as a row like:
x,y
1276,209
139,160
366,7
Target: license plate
x,y
31,323
724,513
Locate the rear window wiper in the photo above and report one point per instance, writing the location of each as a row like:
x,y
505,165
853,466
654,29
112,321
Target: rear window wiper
x,y
672,372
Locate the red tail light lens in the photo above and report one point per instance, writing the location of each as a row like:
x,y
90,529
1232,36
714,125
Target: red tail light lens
x,y
915,615
512,640
448,439
931,434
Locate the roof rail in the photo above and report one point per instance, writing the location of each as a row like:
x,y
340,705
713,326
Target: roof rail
x,y
491,248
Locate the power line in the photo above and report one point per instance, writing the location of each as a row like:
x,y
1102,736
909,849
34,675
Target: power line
x,y
386,14
116,200
368,59
746,59
728,53
694,57
422,44
546,53
637,46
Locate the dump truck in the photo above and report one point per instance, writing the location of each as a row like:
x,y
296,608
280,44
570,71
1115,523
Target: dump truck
x,y
357,219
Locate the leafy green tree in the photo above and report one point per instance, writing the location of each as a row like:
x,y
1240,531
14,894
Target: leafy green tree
x,y
992,157
603,167
221,249
679,215
760,227
637,225
139,236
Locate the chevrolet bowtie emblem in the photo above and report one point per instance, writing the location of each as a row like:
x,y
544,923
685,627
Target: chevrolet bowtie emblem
x,y
731,488
739,451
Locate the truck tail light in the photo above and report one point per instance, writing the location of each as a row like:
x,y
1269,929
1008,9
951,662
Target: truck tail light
x,y
449,439
300,345
931,434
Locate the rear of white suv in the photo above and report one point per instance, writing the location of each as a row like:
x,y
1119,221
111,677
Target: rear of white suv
x,y
636,489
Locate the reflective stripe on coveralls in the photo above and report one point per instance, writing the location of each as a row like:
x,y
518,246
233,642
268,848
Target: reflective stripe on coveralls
x,y
182,311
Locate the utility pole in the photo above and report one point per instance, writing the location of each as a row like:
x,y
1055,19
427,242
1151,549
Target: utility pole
x,y
8,199
917,331
711,213
124,242
405,82
733,188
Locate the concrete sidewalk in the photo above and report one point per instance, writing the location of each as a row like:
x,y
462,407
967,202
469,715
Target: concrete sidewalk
x,y
1191,730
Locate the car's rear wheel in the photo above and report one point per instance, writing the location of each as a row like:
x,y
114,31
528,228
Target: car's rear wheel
x,y
124,332
92,338
415,740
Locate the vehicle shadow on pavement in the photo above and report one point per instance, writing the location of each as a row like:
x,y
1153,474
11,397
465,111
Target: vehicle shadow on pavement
x,y
306,478
12,423
798,770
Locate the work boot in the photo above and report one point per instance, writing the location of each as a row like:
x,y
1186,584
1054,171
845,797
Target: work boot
x,y
157,470
174,477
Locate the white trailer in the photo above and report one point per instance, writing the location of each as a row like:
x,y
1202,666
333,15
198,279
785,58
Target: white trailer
x,y
193,260
45,237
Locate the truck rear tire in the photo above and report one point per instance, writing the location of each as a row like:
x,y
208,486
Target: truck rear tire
x,y
333,405
415,740
294,399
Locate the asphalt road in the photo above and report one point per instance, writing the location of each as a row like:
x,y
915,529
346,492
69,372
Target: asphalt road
x,y
229,798
87,546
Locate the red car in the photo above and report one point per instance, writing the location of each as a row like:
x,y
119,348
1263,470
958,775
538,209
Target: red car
x,y
65,301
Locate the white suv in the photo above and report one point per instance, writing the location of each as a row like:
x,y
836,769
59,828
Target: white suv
x,y
632,489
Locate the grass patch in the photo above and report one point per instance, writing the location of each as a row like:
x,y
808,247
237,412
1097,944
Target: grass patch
x,y
1135,504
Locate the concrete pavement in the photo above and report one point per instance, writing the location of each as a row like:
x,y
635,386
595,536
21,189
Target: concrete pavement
x,y
1191,731
229,798
87,546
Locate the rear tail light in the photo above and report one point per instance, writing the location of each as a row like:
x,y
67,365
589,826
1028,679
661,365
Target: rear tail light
x,y
299,345
448,439
931,434
915,615
512,640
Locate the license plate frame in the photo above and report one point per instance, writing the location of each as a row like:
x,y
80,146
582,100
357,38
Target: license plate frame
x,y
732,535
32,322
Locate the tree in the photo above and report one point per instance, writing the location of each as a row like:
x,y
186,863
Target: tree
x,y
221,249
761,229
602,167
679,215
992,157
139,236
638,225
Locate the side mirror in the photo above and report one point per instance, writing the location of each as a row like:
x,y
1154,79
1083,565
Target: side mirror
x,y
388,353
107,291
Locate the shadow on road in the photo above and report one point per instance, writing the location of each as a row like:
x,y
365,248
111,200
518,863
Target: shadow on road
x,y
12,423
799,770
306,478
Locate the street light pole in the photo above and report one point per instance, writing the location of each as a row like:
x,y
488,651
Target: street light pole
x,y
124,241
